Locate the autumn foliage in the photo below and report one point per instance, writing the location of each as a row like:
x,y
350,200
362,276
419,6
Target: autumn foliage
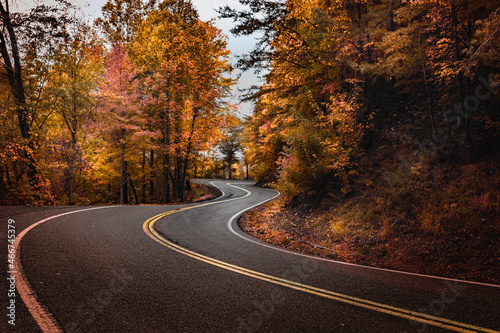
x,y
126,110
345,76
123,111
379,123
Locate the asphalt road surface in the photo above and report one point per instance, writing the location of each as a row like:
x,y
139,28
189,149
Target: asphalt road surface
x,y
189,268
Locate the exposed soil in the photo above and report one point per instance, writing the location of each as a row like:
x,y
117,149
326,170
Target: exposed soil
x,y
446,225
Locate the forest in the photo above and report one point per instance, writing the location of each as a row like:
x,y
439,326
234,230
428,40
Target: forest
x,y
378,119
346,78
125,109
379,122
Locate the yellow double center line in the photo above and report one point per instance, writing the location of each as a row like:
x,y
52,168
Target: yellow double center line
x,y
451,325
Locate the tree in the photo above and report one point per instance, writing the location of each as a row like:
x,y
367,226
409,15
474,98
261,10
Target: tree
x,y
121,121
12,63
182,62
121,19
430,46
336,69
229,146
308,116
120,23
264,18
77,72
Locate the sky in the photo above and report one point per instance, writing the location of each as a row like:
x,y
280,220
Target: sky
x,y
206,9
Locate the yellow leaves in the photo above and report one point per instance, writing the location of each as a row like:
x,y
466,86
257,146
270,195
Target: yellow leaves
x,y
447,71
303,9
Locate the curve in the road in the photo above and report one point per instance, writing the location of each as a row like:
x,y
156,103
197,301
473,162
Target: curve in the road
x,y
451,325
48,324
248,238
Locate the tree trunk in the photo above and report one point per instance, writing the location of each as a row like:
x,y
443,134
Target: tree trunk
x,y
178,175
429,101
14,74
392,6
125,183
151,179
71,177
133,189
143,199
122,174
72,161
166,160
178,161
166,187
188,151
460,77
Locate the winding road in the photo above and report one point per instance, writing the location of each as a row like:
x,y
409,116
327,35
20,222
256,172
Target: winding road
x,y
190,268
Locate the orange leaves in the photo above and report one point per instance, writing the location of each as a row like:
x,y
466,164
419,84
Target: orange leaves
x,y
304,127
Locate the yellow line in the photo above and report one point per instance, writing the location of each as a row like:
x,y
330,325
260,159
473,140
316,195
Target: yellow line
x,y
148,228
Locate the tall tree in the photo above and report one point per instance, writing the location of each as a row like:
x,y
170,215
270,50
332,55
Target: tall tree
x,y
118,111
121,19
39,25
229,146
264,18
74,85
309,109
182,63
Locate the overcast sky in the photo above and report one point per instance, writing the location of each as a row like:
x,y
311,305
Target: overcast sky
x,y
206,9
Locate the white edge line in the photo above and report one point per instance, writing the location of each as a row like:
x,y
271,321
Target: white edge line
x,y
40,313
232,222
222,195
48,324
383,308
